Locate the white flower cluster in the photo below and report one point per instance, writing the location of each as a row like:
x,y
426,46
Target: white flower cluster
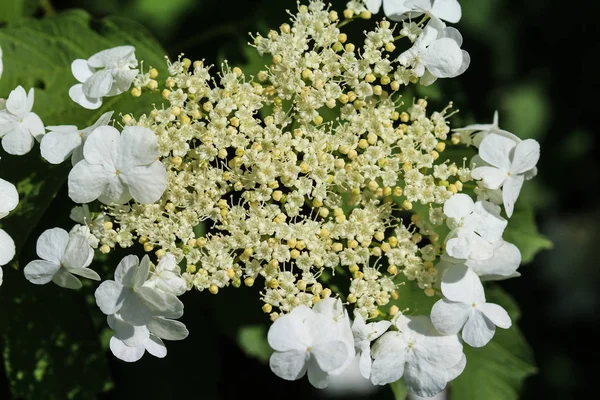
x,y
312,168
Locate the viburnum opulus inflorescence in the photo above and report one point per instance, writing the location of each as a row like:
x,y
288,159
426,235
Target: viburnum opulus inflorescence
x,y
315,166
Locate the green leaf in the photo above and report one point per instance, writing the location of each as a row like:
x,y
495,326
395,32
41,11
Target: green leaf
x,y
523,233
496,371
399,389
252,339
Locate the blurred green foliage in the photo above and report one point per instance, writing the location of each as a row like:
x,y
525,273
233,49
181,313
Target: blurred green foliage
x,y
54,341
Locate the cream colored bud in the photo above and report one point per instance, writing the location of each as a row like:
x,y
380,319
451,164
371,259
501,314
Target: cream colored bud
x,y
351,298
104,249
348,14
393,310
214,289
407,205
267,308
136,92
249,281
429,292
148,247
392,270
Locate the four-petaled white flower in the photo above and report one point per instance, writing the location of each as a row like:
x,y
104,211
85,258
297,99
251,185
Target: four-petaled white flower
x,y
63,256
396,10
364,334
65,140
167,276
508,164
419,353
106,73
19,126
306,341
137,304
464,307
475,226
117,167
436,53
9,199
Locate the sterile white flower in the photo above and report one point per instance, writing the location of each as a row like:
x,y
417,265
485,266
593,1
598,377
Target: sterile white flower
x,y
167,276
448,10
117,167
475,226
65,140
436,53
508,164
417,352
364,334
333,309
306,342
106,73
137,304
63,256
464,307
19,126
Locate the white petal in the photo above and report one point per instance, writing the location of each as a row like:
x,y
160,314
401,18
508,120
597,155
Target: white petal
x,y
18,141
122,80
65,279
424,378
373,5
427,79
376,329
40,272
458,369
449,317
451,33
57,146
510,193
288,332
102,146
116,191
365,362
330,355
110,296
9,197
105,57
448,10
161,304
478,330
491,177
141,274
459,206
17,103
387,368
504,262
1,271
126,270
81,70
139,146
316,376
7,248
496,149
51,245
156,347
526,156
130,335
461,284
99,84
396,10
289,365
103,120
34,125
87,182
86,273
464,243
489,224
124,352
168,329
146,183
135,310
77,252
442,58
466,61
496,314
76,94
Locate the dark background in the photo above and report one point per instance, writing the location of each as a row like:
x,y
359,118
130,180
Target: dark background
x,y
534,61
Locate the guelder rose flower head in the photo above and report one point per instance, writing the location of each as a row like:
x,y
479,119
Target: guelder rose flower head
x,y
425,358
65,140
118,167
107,73
19,126
396,10
306,341
464,307
508,162
63,256
436,53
